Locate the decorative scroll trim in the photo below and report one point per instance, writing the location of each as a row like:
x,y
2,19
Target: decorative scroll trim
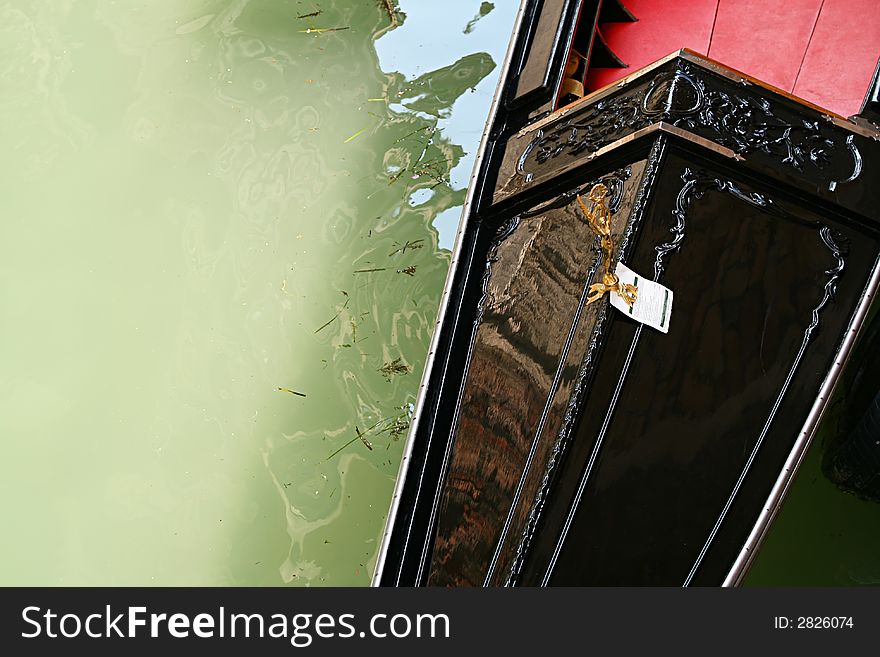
x,y
744,122
589,133
857,164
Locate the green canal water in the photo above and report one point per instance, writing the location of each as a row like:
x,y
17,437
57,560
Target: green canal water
x,y
225,228
193,194
825,535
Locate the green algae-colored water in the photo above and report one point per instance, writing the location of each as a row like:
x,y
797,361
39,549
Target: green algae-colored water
x,y
193,192
206,201
822,536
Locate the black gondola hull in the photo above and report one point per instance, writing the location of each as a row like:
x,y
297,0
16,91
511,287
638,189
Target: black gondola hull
x,y
560,442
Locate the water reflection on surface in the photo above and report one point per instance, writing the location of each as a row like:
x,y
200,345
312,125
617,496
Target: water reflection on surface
x,y
207,201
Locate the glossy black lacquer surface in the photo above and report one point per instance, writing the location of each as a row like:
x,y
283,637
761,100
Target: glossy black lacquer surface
x,y
725,392
542,56
540,266
559,443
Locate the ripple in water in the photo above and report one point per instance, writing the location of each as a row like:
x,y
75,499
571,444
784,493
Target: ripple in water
x,y
211,207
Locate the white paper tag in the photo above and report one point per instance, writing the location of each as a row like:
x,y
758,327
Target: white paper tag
x,y
653,305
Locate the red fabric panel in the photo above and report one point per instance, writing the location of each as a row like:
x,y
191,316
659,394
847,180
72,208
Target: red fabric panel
x,y
767,40
663,27
823,51
842,55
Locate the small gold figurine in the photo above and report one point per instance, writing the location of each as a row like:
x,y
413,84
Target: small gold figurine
x,y
599,219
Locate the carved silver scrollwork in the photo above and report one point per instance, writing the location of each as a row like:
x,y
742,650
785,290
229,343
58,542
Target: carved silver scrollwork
x,y
739,119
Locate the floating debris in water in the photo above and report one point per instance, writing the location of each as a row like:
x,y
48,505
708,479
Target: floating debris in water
x,y
313,14
409,271
364,440
366,271
434,170
412,245
321,30
355,135
341,448
332,319
358,436
393,368
392,179
398,425
325,325
395,426
292,392
414,132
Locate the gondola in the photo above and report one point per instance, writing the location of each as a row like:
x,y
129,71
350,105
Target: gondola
x,y
652,295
